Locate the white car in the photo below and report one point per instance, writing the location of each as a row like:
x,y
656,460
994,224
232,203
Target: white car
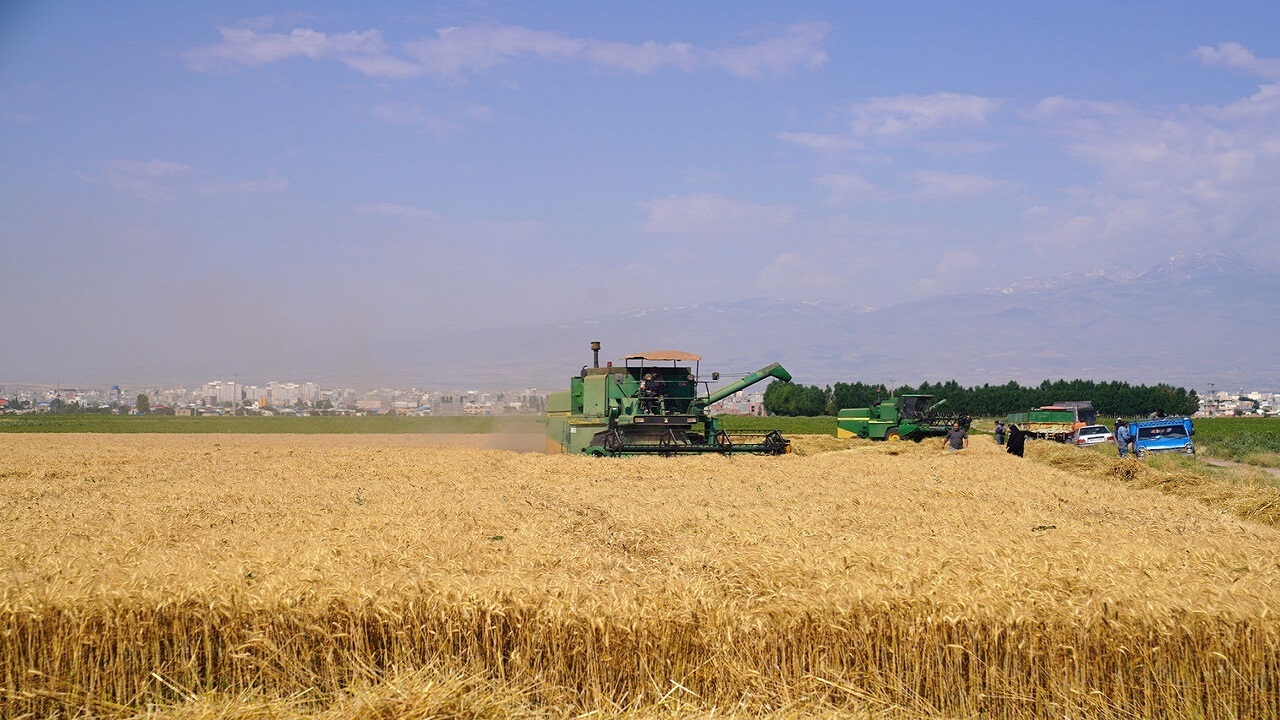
x,y
1092,435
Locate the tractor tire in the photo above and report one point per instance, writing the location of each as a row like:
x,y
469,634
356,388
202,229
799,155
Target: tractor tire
x,y
892,435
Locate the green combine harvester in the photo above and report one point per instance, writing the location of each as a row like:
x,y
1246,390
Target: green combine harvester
x,y
651,405
903,417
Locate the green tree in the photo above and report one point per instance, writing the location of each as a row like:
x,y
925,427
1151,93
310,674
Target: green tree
x,y
855,395
812,401
142,404
778,398
1110,399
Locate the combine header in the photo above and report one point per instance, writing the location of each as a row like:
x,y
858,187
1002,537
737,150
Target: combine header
x,y
651,405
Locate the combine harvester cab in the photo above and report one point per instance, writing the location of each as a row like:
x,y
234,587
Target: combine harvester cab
x,y
903,417
1163,435
651,405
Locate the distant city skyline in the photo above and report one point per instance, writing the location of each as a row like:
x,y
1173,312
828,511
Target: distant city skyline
x,y
309,391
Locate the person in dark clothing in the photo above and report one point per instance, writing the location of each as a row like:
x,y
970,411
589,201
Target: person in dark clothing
x,y
650,394
1000,432
1017,439
1124,436
956,438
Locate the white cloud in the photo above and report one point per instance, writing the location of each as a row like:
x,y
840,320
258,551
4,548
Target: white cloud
x,y
799,47
953,268
1172,145
970,147
822,143
397,210
796,273
455,51
957,261
1181,177
907,115
474,238
1185,177
165,179
711,213
270,184
1236,56
933,123
451,121
1086,118
150,179
935,184
364,51
848,188
1261,107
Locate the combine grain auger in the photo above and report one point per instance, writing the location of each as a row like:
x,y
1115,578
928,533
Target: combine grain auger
x,y
651,405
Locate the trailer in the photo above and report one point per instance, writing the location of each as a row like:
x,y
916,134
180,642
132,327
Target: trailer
x,y
1057,422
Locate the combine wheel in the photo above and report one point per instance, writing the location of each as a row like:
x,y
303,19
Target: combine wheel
x,y
892,435
864,433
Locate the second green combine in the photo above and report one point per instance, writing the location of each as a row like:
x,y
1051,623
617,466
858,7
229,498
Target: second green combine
x,y
902,417
652,404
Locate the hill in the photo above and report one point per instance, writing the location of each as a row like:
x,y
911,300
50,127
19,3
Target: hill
x,y
1191,321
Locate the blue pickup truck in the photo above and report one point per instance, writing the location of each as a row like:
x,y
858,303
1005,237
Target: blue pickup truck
x,y
1163,435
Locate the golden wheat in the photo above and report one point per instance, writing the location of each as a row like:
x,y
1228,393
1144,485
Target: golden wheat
x,y
261,576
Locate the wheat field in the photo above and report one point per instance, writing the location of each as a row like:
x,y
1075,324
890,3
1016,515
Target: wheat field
x,y
250,576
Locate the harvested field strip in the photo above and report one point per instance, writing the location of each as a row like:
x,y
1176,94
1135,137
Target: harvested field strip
x,y
1251,495
309,572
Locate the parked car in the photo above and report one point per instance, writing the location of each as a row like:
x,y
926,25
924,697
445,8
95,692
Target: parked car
x,y
1163,435
1092,435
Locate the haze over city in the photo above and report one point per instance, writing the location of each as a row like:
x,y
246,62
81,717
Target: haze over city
x,y
277,190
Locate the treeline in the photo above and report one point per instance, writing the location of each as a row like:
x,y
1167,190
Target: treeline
x,y
1111,399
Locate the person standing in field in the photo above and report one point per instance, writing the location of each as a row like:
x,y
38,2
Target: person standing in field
x,y
1016,442
999,432
1122,437
956,438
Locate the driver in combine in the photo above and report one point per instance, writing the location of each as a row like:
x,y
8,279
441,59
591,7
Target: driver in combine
x,y
651,391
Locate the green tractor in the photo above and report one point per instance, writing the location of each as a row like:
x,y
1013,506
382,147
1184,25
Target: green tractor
x,y
904,417
650,405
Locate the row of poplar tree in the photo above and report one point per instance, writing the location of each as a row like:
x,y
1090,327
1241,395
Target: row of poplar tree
x,y
1110,399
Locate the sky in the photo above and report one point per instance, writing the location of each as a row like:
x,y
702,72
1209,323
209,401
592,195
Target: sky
x,y
191,190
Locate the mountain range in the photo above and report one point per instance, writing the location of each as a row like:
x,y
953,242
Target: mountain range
x,y
1196,321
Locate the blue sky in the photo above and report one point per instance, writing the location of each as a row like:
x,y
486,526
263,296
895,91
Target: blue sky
x,y
198,187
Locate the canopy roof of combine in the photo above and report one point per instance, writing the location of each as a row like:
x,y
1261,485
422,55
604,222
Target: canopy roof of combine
x,y
672,355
